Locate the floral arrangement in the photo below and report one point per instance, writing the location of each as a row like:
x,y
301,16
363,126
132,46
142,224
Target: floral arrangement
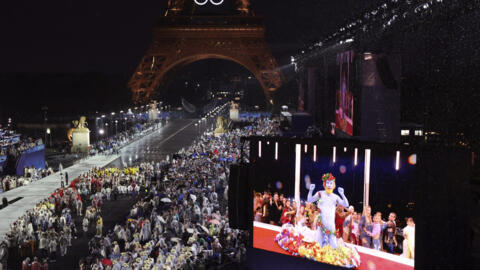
x,y
320,224
289,240
292,241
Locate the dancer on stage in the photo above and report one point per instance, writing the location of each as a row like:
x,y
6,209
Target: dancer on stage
x,y
327,203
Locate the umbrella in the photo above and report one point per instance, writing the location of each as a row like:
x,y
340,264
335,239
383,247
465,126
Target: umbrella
x,y
106,261
204,228
216,216
190,230
194,198
166,200
162,220
175,239
215,221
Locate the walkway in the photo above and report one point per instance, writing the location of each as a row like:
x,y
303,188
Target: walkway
x,y
178,133
41,189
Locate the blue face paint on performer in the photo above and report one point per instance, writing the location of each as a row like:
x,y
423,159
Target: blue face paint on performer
x,y
327,202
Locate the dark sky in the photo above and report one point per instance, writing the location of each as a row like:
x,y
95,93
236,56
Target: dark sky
x,y
83,52
111,36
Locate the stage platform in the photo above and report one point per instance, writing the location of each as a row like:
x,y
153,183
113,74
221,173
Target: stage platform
x,y
264,235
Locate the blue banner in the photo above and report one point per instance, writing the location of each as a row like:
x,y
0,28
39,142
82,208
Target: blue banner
x,y
3,161
32,157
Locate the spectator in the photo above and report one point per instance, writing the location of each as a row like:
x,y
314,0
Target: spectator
x,y
409,242
366,226
390,239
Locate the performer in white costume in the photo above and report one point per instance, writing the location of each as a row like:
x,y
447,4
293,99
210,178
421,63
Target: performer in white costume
x,y
327,203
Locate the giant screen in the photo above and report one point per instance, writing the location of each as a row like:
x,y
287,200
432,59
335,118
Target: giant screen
x,y
344,100
350,206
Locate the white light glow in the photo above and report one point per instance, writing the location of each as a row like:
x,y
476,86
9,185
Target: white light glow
x,y
366,178
397,161
260,149
314,153
334,155
204,2
276,151
355,158
344,149
216,3
298,153
306,148
200,3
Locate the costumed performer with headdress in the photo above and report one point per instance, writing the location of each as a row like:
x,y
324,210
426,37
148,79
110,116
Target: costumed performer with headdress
x,y
327,203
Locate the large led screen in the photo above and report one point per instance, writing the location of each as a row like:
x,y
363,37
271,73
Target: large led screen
x,y
342,205
344,100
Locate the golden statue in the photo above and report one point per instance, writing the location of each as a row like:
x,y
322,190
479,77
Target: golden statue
x,y
234,106
153,105
174,7
221,125
78,125
243,6
82,124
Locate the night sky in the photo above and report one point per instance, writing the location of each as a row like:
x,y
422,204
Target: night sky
x,y
82,53
77,56
111,36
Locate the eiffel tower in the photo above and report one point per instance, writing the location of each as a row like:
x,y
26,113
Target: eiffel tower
x,y
183,36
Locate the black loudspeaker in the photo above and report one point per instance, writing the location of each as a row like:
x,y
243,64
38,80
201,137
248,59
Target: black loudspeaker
x,y
240,198
385,72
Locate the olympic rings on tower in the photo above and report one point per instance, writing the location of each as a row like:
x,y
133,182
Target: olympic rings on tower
x,y
203,2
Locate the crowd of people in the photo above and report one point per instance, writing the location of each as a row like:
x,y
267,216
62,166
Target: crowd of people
x,y
112,144
17,148
182,219
9,182
12,146
48,229
179,221
352,227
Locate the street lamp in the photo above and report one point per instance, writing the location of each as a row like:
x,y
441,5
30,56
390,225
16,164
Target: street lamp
x,y
49,134
116,122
